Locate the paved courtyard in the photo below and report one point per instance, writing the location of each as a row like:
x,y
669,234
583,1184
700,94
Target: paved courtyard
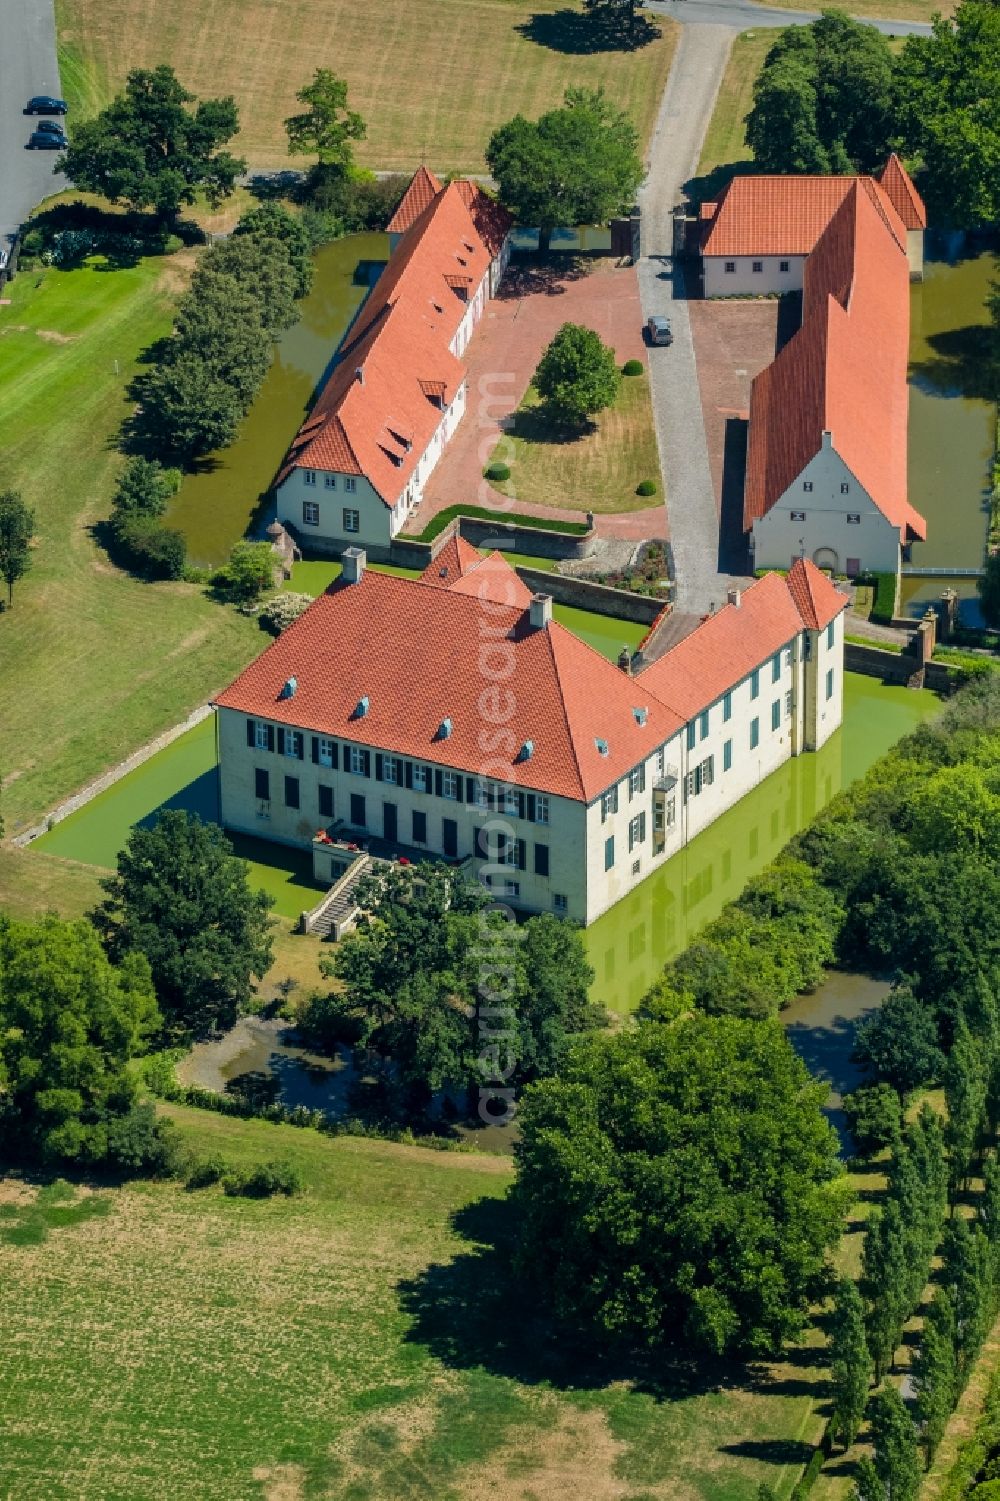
x,y
532,305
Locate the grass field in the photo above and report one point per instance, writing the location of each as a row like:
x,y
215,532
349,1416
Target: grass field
x,y
92,662
597,472
358,1342
889,10
432,78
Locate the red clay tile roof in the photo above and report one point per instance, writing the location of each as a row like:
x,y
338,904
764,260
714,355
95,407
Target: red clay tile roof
x,y
494,579
396,355
842,377
567,696
725,648
907,202
450,562
816,597
491,219
787,215
424,188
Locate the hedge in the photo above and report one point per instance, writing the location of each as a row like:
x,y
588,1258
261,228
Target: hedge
x,y
885,596
502,518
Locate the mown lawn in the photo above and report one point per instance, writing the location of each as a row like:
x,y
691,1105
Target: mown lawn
x,y
356,1343
432,78
596,472
92,662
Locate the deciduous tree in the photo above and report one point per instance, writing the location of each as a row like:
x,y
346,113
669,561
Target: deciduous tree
x,y
663,1169
17,525
327,128
183,899
575,165
894,1439
850,1363
935,1378
577,376
148,149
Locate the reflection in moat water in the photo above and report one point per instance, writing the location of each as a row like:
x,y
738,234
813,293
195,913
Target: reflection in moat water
x,y
629,945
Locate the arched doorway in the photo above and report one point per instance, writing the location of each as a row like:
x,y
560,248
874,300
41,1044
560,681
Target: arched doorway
x,y
825,557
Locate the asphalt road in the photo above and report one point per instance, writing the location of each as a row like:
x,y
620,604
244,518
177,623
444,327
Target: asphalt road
x,y
27,66
743,15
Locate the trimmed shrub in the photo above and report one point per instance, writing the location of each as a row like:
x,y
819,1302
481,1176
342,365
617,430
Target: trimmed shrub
x,y
497,472
633,367
264,1180
885,596
282,610
646,487
138,1143
153,550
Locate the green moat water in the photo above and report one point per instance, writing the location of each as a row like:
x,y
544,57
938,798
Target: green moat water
x,y
216,505
951,423
629,945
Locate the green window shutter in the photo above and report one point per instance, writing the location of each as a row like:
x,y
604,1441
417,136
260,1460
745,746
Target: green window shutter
x,y
251,733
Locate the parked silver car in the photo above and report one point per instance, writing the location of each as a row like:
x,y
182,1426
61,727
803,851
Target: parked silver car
x,y
658,330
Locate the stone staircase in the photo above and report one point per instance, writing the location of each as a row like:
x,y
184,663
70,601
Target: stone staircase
x,y
337,913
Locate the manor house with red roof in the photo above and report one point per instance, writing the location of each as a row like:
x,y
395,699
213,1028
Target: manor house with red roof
x,y
451,717
360,461
826,473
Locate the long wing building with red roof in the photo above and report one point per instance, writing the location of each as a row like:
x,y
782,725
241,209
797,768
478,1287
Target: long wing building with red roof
x,y
826,473
397,391
452,717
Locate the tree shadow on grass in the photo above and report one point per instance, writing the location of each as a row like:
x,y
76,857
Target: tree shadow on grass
x,y
535,424
577,34
471,1313
707,187
773,1451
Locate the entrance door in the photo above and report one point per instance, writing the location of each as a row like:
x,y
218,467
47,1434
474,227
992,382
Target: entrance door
x,y
357,811
449,836
389,822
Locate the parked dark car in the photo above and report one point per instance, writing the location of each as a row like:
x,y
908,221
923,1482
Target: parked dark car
x,y
658,330
51,127
45,104
44,140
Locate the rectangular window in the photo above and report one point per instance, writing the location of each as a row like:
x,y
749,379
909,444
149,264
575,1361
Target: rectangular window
x,y
755,682
689,782
692,735
264,736
358,816
541,809
450,785
829,634
324,751
352,520
310,476
291,792
670,812
854,518
609,803
782,265
261,783
390,769
829,683
845,488
661,761
807,485
727,708
609,852
449,837
636,831
419,828
511,802
707,769
758,266
797,515
776,667
421,777
541,859
350,485
727,756
637,780
511,888
310,513
754,733
788,656
330,481
290,743
776,714
788,705
730,267
559,902
703,726
357,761
325,801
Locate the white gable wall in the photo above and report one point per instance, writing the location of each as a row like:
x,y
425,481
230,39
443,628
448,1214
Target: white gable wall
x,y
744,281
812,516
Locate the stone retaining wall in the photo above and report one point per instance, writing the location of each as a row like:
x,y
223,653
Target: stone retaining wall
x,y
583,594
